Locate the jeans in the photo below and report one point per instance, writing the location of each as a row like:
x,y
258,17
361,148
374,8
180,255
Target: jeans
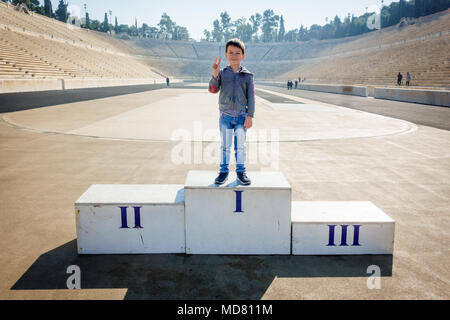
x,y
229,127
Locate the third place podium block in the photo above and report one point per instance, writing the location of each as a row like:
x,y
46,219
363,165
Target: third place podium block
x,y
335,228
237,219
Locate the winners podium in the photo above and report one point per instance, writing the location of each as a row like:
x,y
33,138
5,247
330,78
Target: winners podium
x,y
203,218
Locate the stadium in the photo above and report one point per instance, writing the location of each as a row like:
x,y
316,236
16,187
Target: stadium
x,y
82,109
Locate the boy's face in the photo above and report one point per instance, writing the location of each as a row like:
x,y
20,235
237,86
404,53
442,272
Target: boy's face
x,y
234,55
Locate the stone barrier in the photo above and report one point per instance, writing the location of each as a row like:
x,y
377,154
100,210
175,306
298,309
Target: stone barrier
x,y
431,97
30,85
340,89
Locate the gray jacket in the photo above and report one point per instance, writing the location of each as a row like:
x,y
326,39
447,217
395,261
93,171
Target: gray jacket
x,y
237,90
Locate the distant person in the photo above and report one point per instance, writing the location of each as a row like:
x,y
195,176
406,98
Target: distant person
x,y
296,84
237,107
399,79
408,79
288,84
167,81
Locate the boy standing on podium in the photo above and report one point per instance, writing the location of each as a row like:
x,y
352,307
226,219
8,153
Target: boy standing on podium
x,y
237,108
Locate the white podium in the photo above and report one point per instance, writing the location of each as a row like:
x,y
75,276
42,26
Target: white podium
x,y
203,218
340,228
236,219
113,219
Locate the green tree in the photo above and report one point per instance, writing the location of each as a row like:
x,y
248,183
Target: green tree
x,y
32,5
227,25
217,33
244,30
256,23
105,24
48,10
166,26
87,22
61,12
269,23
95,25
180,33
282,29
207,35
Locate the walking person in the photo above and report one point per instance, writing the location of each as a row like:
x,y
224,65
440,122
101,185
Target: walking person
x,y
399,79
408,79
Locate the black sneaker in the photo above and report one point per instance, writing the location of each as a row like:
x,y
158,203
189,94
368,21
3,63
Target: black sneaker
x,y
242,178
221,178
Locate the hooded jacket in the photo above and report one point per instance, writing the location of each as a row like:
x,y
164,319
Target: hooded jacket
x,y
237,90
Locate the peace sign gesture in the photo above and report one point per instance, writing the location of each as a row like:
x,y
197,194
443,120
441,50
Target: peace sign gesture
x,y
216,67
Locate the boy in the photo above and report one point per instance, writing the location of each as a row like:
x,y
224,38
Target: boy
x,y
237,108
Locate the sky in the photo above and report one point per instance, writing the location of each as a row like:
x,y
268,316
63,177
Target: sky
x,y
197,15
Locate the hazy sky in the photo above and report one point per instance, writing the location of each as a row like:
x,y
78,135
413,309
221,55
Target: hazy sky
x,y
197,15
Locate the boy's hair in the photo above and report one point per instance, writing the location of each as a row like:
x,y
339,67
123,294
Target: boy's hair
x,y
236,43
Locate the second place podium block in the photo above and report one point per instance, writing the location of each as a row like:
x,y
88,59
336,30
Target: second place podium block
x,y
236,219
124,219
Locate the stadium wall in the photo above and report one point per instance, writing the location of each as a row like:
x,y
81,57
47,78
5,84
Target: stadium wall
x,y
341,89
431,97
29,85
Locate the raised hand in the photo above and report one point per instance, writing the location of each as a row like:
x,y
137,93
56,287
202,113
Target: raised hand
x,y
216,67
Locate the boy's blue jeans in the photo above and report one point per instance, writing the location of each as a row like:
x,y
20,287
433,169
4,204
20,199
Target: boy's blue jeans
x,y
229,127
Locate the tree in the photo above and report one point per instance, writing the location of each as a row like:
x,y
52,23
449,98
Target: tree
x,y
116,26
401,8
225,21
207,35
291,35
48,10
303,34
418,5
217,33
256,23
87,22
95,25
244,30
61,12
282,30
166,26
269,23
180,33
105,24
32,5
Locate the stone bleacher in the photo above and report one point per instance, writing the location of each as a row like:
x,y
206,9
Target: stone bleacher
x,y
36,47
421,49
374,58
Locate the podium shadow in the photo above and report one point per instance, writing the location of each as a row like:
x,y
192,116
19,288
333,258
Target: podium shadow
x,y
191,277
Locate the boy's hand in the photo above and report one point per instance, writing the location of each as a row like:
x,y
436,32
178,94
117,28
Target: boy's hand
x,y
216,68
248,123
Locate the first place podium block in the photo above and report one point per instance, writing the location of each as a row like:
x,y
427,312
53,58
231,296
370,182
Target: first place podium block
x,y
124,219
237,219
